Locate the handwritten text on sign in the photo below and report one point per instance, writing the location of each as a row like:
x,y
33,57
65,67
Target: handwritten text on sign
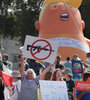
x,y
40,49
53,90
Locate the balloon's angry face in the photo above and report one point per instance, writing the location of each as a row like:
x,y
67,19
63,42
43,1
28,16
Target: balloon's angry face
x,y
59,16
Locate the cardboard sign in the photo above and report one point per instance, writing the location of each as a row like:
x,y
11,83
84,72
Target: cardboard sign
x,y
81,85
40,49
53,90
77,67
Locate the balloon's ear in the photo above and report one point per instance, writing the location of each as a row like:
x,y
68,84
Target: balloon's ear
x,y
37,25
83,25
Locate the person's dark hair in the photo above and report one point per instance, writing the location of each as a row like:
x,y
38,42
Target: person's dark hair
x,y
88,54
68,58
86,75
32,60
5,55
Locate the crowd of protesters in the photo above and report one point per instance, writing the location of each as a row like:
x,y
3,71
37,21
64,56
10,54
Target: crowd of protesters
x,y
26,78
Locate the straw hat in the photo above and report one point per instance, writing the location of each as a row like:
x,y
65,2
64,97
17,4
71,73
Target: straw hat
x,y
74,3
16,74
67,71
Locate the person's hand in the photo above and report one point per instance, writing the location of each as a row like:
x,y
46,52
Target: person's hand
x,y
21,58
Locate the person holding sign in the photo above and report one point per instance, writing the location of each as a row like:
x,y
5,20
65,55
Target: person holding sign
x,y
69,82
84,94
77,67
30,83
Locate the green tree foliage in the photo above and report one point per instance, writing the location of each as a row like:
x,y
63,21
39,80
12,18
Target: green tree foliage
x,y
4,5
27,16
85,13
7,21
17,17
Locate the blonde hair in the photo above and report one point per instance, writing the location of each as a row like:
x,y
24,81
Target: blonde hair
x,y
74,3
41,12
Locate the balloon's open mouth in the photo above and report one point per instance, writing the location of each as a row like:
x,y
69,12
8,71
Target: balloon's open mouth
x,y
64,16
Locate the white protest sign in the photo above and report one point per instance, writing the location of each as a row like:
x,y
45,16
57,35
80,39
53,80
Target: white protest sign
x,y
40,49
53,90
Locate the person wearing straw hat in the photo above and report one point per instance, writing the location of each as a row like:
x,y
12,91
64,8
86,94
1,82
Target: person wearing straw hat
x,y
68,77
69,82
60,20
16,84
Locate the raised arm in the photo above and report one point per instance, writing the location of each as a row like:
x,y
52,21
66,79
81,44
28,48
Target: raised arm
x,y
22,66
53,69
42,75
43,67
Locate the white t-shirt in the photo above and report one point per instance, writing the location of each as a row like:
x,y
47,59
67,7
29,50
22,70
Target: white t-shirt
x,y
17,90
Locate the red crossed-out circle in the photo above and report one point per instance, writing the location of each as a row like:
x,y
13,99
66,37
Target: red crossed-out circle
x,y
48,44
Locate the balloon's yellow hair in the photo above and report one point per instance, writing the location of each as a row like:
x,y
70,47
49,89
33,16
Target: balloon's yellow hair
x,y
74,3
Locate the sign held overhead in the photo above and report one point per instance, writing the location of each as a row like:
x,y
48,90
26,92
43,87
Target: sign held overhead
x,y
40,49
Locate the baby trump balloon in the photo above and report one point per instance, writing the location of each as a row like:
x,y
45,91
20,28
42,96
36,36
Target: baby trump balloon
x,y
60,20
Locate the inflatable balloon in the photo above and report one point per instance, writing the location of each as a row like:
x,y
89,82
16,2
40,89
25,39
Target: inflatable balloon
x,y
60,20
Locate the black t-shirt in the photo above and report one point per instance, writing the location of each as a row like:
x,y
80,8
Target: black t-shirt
x,y
70,85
